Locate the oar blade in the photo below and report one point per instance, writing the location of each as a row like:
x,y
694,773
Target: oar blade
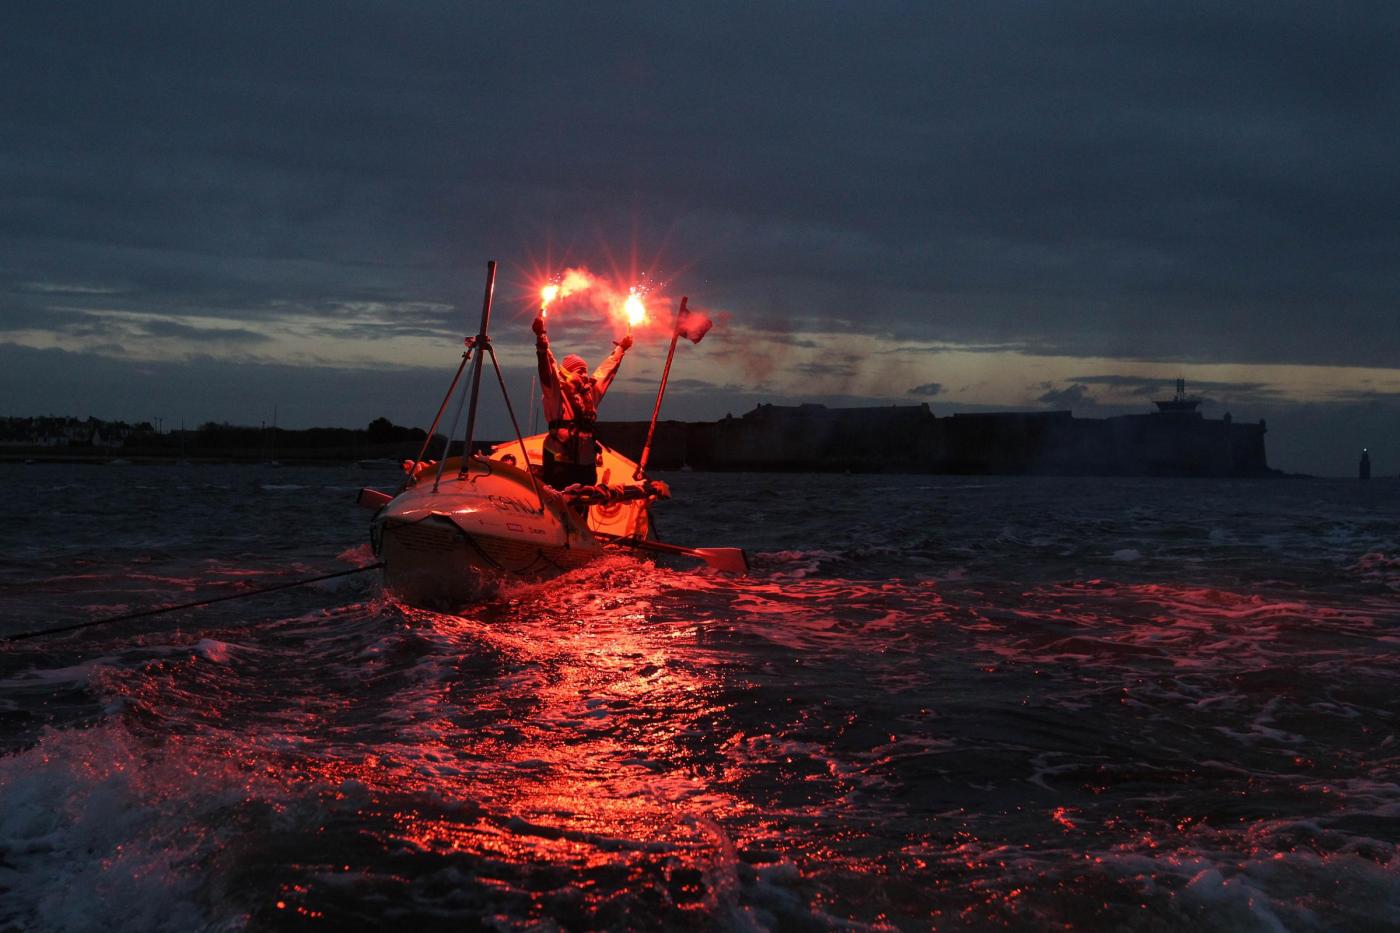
x,y
725,559
372,499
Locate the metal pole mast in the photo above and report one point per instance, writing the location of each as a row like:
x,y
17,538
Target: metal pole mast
x,y
483,343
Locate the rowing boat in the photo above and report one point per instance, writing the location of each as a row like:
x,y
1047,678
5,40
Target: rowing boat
x,y
451,541
457,529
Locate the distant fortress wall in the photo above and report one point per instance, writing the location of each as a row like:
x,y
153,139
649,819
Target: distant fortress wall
x,y
819,439
910,439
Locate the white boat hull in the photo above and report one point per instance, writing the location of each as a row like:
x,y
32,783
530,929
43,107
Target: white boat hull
x,y
451,545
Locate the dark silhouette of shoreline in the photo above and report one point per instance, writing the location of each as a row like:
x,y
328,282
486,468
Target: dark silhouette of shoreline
x,y
1175,440
71,440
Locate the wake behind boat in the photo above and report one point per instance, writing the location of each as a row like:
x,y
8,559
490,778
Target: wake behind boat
x,y
456,529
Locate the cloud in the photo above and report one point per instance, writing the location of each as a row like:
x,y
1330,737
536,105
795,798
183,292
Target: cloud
x,y
789,340
69,288
678,385
1122,182
1073,396
928,388
1153,387
1321,438
694,385
1368,397
925,349
164,328
820,370
955,182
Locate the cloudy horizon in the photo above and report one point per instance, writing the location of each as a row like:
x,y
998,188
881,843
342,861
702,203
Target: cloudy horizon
x,y
208,212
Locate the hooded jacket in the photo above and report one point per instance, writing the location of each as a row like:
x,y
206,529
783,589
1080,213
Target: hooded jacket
x,y
570,400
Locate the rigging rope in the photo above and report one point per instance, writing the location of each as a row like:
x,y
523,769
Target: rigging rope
x,y
529,467
203,602
456,415
427,441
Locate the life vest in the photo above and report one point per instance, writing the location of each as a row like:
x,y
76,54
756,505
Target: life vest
x,y
571,404
571,440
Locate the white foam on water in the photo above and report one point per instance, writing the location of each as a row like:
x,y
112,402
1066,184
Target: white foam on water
x,y
211,649
1278,887
1379,567
74,675
361,555
96,835
1234,900
796,564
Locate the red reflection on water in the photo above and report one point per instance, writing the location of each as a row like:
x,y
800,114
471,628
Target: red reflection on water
x,y
591,771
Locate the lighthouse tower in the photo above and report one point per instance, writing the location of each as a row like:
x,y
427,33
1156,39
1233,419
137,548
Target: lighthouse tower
x,y
1180,404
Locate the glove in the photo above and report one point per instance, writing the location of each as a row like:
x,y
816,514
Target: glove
x,y
538,327
625,343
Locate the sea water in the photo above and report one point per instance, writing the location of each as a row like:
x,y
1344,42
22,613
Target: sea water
x,y
937,703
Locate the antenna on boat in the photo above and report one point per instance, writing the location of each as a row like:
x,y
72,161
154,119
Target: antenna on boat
x,y
475,346
483,344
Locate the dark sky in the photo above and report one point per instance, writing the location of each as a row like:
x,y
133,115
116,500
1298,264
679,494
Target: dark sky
x,y
206,210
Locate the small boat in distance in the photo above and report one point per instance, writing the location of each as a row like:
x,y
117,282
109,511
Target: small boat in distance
x,y
381,464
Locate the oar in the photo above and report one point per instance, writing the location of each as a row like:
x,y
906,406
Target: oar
x,y
726,559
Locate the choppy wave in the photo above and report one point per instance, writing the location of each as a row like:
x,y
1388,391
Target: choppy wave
x,y
934,704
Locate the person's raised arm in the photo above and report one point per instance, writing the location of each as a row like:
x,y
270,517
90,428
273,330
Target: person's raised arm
x,y
549,369
549,372
603,375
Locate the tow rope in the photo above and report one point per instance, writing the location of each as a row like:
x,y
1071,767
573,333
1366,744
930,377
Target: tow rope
x,y
203,602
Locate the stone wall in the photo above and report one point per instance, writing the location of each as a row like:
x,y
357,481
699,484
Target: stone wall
x,y
909,439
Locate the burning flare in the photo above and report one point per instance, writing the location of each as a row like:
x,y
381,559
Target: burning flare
x,y
573,280
604,295
634,307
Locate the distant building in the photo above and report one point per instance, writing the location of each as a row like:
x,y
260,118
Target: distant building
x,y
1175,440
1180,404
50,431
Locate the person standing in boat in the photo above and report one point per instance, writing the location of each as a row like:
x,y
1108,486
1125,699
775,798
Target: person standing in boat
x,y
571,398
